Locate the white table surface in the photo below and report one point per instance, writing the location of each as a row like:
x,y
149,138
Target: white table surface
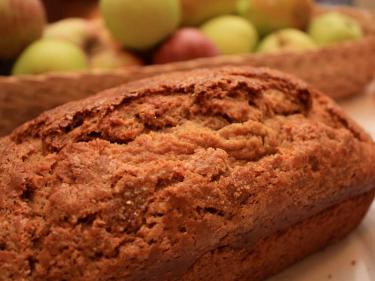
x,y
336,262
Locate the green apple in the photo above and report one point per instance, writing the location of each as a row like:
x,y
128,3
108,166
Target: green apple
x,y
78,31
334,27
195,12
286,40
141,24
21,22
231,34
271,15
112,59
49,55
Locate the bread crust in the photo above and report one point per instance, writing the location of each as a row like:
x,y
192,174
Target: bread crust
x,y
141,181
276,252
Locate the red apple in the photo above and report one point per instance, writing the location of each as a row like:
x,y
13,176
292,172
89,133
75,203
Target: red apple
x,y
185,44
21,22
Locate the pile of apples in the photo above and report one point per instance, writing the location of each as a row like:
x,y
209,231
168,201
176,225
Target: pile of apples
x,y
156,32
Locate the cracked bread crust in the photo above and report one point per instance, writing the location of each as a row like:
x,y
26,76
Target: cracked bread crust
x,y
139,182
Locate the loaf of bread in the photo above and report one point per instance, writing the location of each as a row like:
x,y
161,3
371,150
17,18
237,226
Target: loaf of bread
x,y
228,174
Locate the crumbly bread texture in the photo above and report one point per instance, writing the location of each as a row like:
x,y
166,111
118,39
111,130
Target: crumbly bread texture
x,y
228,174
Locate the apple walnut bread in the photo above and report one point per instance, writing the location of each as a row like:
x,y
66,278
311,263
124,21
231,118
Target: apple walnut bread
x,y
228,174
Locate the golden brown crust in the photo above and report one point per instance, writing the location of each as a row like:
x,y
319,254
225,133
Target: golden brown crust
x,y
138,182
247,262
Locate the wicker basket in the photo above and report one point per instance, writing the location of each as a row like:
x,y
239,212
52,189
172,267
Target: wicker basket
x,y
340,71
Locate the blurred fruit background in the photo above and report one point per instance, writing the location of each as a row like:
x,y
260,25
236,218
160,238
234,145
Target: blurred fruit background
x,y
330,48
369,4
74,8
59,9
40,36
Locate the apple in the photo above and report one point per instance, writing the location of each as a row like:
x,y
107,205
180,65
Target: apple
x,y
78,31
50,55
271,15
112,59
195,12
21,22
142,24
103,36
286,40
231,34
186,44
334,27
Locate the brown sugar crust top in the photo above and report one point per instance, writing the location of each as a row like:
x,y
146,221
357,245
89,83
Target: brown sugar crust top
x,y
140,181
